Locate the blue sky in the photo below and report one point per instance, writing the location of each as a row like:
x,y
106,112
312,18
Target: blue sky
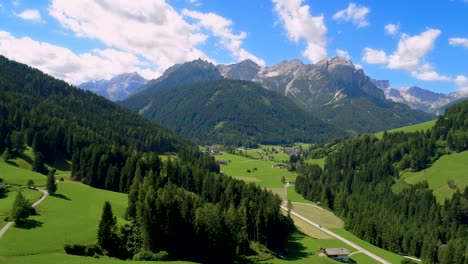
x,y
423,43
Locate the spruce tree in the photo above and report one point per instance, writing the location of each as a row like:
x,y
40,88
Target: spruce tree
x,y
107,237
51,183
21,208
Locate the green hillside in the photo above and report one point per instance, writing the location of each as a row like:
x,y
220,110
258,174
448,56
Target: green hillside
x,y
453,167
232,113
408,129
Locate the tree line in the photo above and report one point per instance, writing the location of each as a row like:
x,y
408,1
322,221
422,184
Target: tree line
x,y
357,179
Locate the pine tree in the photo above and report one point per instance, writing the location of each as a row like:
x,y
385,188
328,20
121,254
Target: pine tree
x,y
107,237
6,154
38,164
21,208
51,183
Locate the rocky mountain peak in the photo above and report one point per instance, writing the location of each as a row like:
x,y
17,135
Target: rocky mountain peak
x,y
118,87
244,70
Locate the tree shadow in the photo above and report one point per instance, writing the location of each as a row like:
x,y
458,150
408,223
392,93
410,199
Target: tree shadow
x,y
25,158
12,163
29,224
296,249
61,196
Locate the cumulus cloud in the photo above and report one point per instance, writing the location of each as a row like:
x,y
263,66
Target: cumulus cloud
x,y
392,29
373,56
152,29
221,28
65,64
31,15
354,14
462,82
463,42
343,54
410,50
409,56
301,25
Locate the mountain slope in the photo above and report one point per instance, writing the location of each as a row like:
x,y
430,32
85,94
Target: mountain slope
x,y
232,112
117,88
335,91
181,74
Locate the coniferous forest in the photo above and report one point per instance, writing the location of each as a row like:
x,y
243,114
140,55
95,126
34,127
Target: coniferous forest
x,y
357,179
172,204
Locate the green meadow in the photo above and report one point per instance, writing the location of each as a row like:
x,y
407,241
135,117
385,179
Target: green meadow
x,y
408,129
261,172
452,167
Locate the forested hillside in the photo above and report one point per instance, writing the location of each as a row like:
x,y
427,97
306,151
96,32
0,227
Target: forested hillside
x,y
356,183
232,113
112,148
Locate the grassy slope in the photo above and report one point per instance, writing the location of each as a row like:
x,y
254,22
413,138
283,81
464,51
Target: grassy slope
x,y
69,259
13,174
418,127
449,167
72,216
7,202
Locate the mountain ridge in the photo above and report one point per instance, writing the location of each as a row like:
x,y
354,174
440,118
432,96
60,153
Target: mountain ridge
x,y
117,88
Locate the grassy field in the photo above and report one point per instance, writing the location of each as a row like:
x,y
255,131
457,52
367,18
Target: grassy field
x,y
418,127
449,167
13,174
319,162
71,216
320,216
59,257
261,172
7,202
387,255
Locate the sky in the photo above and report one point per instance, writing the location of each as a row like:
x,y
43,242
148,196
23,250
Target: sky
x,y
411,43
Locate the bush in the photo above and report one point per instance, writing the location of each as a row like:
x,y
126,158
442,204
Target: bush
x,y
150,256
82,250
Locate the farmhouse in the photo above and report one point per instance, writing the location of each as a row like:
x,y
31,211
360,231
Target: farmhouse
x,y
339,254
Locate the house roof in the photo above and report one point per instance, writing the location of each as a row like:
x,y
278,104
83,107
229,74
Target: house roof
x,y
336,251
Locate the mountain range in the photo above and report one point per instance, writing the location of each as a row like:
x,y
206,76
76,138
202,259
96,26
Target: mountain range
x,y
117,88
332,91
421,99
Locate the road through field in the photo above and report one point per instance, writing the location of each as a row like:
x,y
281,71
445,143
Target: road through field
x,y
44,195
360,249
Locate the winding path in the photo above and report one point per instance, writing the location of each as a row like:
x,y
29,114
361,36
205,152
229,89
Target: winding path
x,y
9,224
359,248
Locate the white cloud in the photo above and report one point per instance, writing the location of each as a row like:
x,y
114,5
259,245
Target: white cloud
x,y
353,13
151,29
409,56
427,73
30,14
301,25
221,28
358,66
373,56
462,82
343,54
74,68
459,41
392,29
410,50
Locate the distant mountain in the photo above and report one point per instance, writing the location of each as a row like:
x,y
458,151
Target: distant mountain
x,y
232,112
181,74
334,90
421,99
117,88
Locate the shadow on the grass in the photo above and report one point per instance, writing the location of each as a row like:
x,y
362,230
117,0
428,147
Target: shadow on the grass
x,y
61,196
29,224
295,248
